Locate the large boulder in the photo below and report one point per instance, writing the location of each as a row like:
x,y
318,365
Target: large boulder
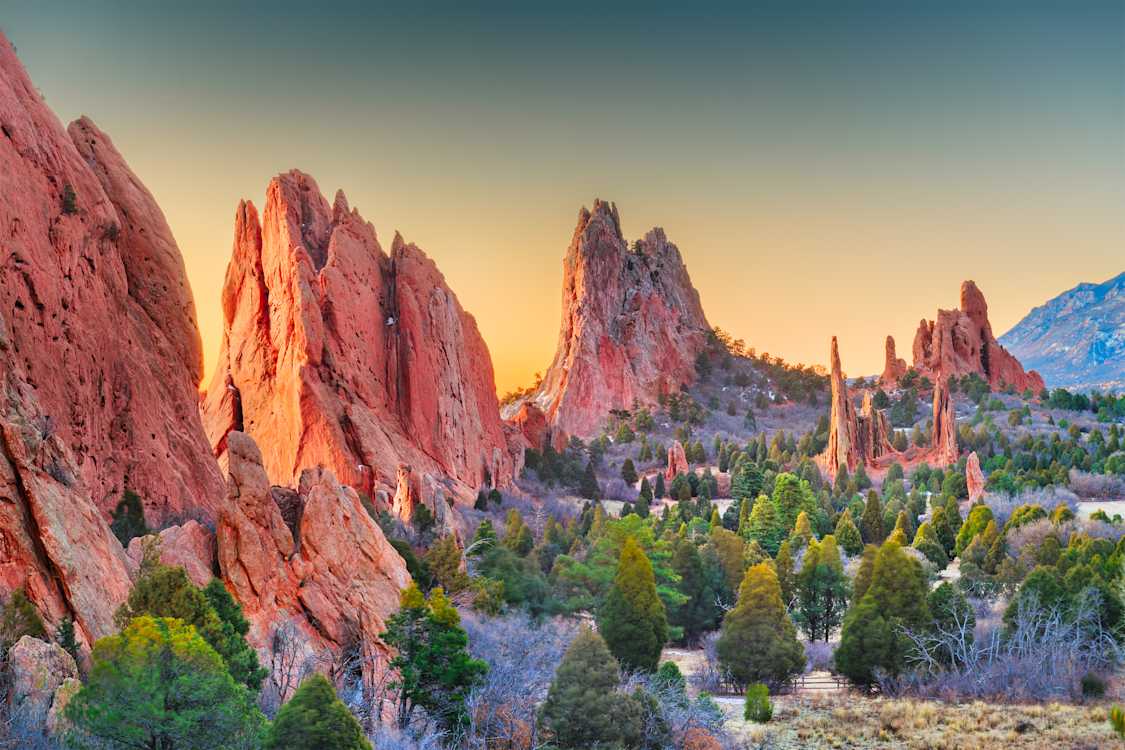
x,y
37,671
190,546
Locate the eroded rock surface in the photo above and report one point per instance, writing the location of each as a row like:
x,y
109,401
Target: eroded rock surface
x,y
974,477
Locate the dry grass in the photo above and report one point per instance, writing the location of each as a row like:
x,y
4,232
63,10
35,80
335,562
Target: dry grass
x,y
849,721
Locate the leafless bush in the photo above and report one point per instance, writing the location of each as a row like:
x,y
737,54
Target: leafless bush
x,y
1104,486
675,712
618,489
290,662
1003,505
1033,534
1043,655
818,656
522,657
389,737
710,676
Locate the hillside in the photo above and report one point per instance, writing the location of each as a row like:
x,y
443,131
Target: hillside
x,y
1077,339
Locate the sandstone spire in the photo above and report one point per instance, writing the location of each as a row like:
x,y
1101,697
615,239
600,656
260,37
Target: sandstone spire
x,y
894,366
959,342
337,354
632,326
943,440
853,439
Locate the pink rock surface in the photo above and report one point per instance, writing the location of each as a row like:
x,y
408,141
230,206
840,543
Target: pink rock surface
x,y
632,325
37,670
894,367
190,546
336,354
853,439
943,439
99,313
960,342
974,477
341,580
677,461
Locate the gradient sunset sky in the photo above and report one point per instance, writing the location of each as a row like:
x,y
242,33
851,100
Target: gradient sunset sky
x,y
825,170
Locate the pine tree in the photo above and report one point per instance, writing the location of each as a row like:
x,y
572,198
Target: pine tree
x,y
588,487
659,491
699,612
979,518
764,525
128,518
315,719
863,574
822,590
64,636
583,708
632,618
926,542
802,532
847,535
629,472
758,642
786,573
872,636
871,523
791,496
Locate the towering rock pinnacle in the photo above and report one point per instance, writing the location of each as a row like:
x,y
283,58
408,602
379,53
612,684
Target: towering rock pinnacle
x,y
894,366
943,439
974,477
337,354
960,342
632,326
853,439
99,362
99,313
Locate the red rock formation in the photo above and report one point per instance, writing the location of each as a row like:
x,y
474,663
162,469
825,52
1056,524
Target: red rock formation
x,y
943,440
960,342
974,478
632,326
531,422
853,439
37,670
677,461
406,498
336,354
190,546
336,580
894,367
100,317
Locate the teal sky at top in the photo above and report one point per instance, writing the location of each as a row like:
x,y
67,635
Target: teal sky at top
x,y
788,148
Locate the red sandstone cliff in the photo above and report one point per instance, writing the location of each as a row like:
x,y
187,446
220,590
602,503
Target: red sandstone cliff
x,y
853,439
99,313
632,326
960,342
99,362
337,354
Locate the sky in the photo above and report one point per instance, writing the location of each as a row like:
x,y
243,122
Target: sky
x,y
824,170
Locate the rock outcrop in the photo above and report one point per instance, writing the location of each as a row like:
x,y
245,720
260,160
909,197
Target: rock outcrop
x,y
632,326
37,670
190,546
853,439
329,586
677,461
974,478
337,354
99,315
894,366
943,439
960,342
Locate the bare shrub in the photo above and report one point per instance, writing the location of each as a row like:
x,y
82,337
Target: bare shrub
x,y
522,657
818,656
1102,486
675,712
1003,505
710,677
1042,656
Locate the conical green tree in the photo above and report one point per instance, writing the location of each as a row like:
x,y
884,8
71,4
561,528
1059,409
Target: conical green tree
x,y
632,618
699,612
847,535
315,719
583,708
786,571
872,637
871,523
758,642
765,526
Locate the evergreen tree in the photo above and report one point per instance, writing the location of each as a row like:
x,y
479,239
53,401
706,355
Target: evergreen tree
x,y
158,684
872,635
433,669
863,574
241,659
517,535
847,535
64,636
786,572
746,484
699,612
791,496
758,642
979,518
658,490
802,532
484,539
583,708
315,719
764,526
443,560
871,523
822,590
128,518
926,542
20,618
951,613
588,486
632,619
629,472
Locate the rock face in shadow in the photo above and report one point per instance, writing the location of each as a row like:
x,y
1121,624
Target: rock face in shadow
x,y
99,315
339,355
960,342
943,439
327,588
632,327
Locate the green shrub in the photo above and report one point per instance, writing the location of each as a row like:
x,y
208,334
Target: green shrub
x,y
1093,686
1117,721
758,706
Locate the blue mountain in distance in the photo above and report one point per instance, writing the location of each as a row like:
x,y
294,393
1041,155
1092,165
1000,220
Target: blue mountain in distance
x,y
1076,340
